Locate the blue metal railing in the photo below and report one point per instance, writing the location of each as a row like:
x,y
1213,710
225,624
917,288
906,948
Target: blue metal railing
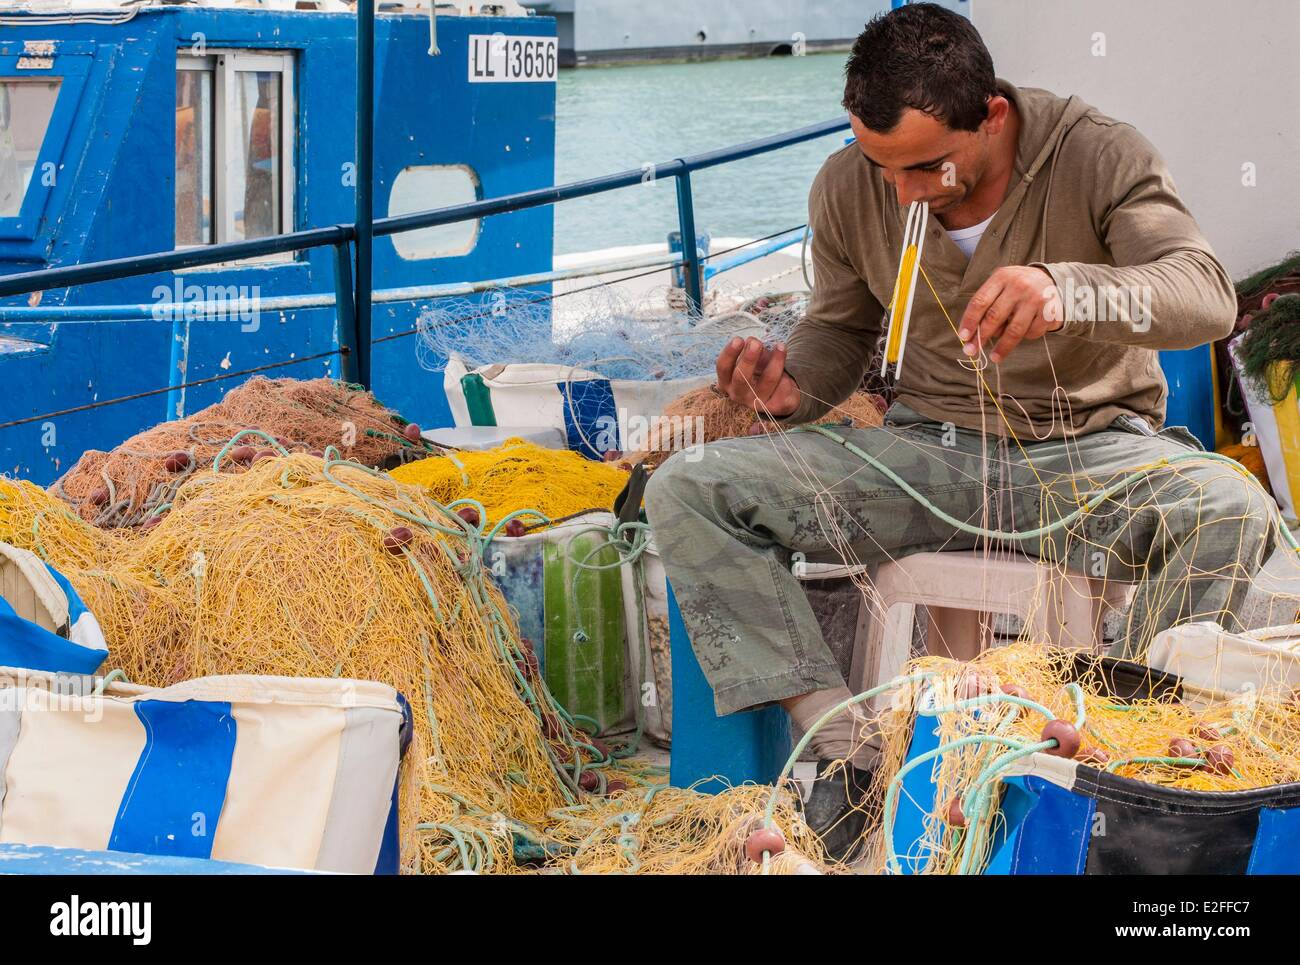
x,y
352,295
365,195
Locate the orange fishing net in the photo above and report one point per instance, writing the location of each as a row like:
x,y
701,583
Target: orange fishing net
x,y
706,415
131,483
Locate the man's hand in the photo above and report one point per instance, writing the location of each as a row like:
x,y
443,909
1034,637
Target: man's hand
x,y
754,375
1016,303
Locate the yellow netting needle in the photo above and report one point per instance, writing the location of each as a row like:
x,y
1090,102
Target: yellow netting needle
x,y
900,306
902,290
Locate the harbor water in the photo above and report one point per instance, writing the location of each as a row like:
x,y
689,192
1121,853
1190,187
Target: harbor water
x,y
614,118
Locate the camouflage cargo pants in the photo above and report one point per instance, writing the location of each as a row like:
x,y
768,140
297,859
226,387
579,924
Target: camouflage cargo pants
x,y
727,516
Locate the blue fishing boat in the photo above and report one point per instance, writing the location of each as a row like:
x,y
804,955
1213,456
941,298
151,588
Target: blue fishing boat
x,y
146,129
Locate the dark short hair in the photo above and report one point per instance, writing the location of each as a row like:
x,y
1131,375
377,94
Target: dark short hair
x,y
921,56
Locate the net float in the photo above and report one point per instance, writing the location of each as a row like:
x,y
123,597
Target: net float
x,y
1219,759
469,514
1093,755
1181,747
99,496
412,432
1205,732
526,662
397,538
263,454
551,726
614,786
956,818
515,528
1267,301
1066,736
600,745
318,453
243,454
150,523
177,461
530,661
1015,690
768,840
589,780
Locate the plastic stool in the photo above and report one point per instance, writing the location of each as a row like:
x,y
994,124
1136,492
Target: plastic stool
x,y
959,590
749,746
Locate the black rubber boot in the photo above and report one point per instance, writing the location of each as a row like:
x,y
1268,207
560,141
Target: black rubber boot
x,y
838,808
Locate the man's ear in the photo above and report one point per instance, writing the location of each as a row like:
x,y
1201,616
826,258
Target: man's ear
x,y
999,109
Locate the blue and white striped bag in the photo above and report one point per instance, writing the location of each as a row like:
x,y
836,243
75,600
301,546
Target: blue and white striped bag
x,y
43,623
284,772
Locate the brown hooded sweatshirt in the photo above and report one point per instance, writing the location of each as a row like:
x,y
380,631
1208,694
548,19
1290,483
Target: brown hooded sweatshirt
x,y
1092,203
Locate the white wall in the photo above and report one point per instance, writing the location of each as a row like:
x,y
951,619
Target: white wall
x,y
1214,84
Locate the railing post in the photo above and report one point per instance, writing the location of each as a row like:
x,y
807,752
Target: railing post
x,y
692,269
365,182
180,351
350,344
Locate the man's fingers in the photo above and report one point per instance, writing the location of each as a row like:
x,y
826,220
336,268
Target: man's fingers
x,y
1014,332
994,321
752,374
786,398
745,375
980,303
772,373
727,362
1013,305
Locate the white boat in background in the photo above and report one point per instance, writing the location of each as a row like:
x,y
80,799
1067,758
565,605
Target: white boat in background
x,y
594,32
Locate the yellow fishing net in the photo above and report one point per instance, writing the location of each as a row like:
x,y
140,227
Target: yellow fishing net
x,y
1005,705
301,566
518,475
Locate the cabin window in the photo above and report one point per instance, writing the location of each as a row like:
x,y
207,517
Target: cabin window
x,y
26,105
234,146
428,186
194,157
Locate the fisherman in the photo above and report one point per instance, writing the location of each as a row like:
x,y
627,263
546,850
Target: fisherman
x,y
1061,259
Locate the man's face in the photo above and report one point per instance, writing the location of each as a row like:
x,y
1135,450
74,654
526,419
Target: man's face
x,y
925,160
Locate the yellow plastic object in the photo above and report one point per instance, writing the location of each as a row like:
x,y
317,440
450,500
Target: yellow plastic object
x,y
902,289
1287,415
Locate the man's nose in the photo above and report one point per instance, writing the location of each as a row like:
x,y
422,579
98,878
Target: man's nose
x,y
909,187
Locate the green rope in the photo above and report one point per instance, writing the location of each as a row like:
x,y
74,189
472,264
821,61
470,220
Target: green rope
x,y
1084,508
266,436
113,675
